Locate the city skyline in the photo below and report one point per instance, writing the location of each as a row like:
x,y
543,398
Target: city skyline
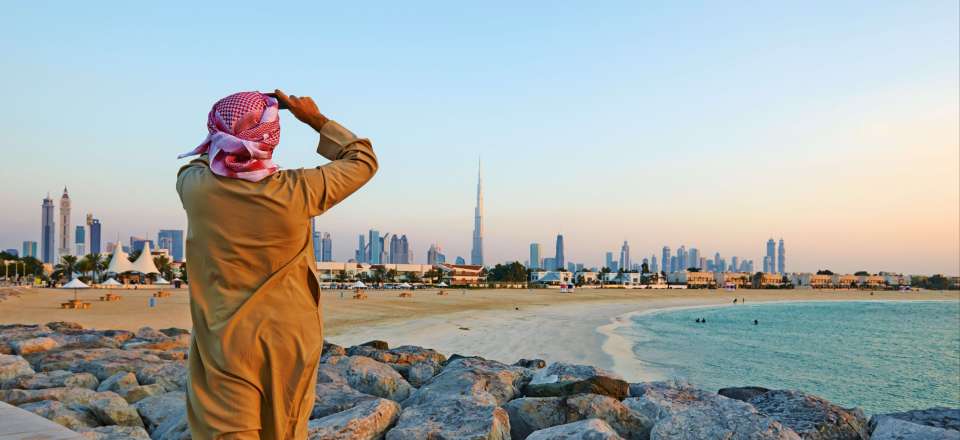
x,y
832,125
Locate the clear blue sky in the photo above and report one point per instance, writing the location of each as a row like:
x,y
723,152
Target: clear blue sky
x,y
714,125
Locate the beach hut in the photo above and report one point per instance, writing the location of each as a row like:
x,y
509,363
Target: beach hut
x,y
75,303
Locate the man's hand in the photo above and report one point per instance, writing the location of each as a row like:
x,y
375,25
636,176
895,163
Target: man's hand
x,y
303,108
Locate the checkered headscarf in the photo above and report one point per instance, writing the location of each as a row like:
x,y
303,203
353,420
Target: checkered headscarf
x,y
244,129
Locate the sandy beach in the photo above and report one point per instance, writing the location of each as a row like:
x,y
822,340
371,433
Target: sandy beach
x,y
505,324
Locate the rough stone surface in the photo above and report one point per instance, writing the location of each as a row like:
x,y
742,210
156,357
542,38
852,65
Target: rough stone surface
x,y
371,377
564,372
533,364
141,392
62,414
892,428
332,398
13,366
120,383
530,414
101,362
70,396
937,417
812,417
115,432
156,411
742,393
487,382
415,364
34,345
590,429
453,418
606,386
368,420
53,379
110,409
171,375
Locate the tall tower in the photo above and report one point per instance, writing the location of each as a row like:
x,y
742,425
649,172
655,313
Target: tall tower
x,y
48,230
559,261
770,259
476,254
535,255
665,259
625,262
781,259
65,231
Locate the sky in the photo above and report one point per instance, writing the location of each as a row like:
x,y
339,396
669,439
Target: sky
x,y
714,125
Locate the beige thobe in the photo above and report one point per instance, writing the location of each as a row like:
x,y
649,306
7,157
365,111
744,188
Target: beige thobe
x,y
254,296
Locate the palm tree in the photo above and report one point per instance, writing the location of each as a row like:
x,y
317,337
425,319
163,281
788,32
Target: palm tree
x,y
67,267
86,265
163,265
392,275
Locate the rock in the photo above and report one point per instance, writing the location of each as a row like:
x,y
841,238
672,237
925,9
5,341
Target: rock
x,y
61,414
110,409
101,362
605,386
13,366
938,417
379,345
369,376
530,414
892,428
330,349
368,420
68,396
332,398
590,429
148,333
415,364
742,393
458,417
63,326
120,383
54,379
683,412
487,382
141,392
812,417
114,432
172,375
533,364
564,372
34,345
165,410
173,331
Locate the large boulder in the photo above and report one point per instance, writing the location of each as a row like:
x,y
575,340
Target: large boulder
x,y
742,393
171,375
812,417
66,395
34,345
892,428
141,392
937,417
685,413
371,377
564,372
12,367
119,383
459,417
62,414
603,385
415,364
54,379
115,432
332,398
533,364
111,409
487,382
157,410
590,429
530,414
368,420
101,362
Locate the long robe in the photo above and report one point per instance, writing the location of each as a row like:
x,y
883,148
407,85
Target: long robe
x,y
254,295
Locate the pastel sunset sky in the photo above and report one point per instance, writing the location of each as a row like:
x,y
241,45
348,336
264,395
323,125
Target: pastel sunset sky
x,y
716,125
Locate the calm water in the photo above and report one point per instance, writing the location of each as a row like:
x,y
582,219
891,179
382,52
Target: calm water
x,y
881,356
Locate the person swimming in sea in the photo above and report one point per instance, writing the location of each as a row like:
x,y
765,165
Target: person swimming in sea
x,y
755,322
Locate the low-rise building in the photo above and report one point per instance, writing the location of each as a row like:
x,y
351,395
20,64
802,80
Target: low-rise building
x,y
551,278
732,280
463,274
694,279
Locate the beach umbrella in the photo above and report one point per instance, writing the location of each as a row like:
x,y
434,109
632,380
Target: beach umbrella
x,y
111,283
75,284
162,281
359,285
405,286
442,284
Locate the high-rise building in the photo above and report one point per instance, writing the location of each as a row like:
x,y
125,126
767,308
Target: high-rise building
x,y
654,268
399,250
48,230
80,240
734,264
771,258
665,259
550,263
316,237
375,245
435,255
559,259
625,256
95,242
29,249
326,247
361,253
12,251
682,259
781,259
172,241
608,262
137,243
476,253
65,230
460,260
534,255
673,263
694,258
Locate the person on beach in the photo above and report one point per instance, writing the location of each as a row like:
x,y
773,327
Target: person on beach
x,y
254,293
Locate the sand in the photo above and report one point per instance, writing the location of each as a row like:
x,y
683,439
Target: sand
x,y
503,324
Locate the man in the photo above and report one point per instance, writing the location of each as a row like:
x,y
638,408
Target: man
x,y
254,295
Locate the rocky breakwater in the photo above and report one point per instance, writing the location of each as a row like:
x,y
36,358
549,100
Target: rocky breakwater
x,y
131,385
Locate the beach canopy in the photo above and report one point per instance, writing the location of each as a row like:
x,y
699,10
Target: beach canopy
x,y
442,284
359,285
111,282
144,263
119,262
160,280
75,284
405,286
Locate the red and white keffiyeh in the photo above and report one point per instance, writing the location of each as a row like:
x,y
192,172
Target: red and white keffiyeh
x,y
244,129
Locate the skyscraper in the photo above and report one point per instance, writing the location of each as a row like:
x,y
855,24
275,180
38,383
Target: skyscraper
x,y
48,230
435,256
653,264
315,237
94,236
535,255
734,264
172,241
608,262
326,247
375,245
559,259
29,249
694,258
665,259
361,253
625,256
65,230
682,259
771,258
80,240
476,254
781,259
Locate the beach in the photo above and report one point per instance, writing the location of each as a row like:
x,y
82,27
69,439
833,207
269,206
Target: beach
x,y
506,324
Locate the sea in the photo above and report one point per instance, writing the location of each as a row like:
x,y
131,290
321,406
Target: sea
x,y
879,356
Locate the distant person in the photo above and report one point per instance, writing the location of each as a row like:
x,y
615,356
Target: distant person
x,y
734,300
755,322
254,292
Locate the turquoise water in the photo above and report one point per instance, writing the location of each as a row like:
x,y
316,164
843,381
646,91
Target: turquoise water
x,y
880,356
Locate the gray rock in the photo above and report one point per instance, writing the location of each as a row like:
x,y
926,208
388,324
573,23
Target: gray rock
x,y
110,409
590,429
13,366
54,379
68,396
332,398
330,349
156,411
34,345
371,377
415,364
937,417
141,392
101,362
605,386
812,417
62,414
530,414
172,375
533,364
564,372
368,420
892,428
120,383
488,382
742,393
149,333
457,417
683,412
115,432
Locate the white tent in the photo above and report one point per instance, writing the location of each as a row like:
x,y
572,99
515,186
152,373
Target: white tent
x,y
111,283
160,280
144,263
119,263
358,285
405,286
75,284
442,284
